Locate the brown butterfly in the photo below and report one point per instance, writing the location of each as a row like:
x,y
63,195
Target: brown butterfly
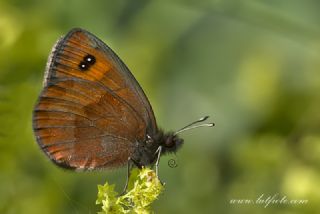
x,y
93,114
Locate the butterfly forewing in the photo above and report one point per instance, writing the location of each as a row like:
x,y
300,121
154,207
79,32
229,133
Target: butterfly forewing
x,y
91,111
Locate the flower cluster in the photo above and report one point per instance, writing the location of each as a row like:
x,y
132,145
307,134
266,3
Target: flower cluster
x,y
144,188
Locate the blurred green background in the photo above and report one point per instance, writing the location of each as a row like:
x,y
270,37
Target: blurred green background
x,y
252,65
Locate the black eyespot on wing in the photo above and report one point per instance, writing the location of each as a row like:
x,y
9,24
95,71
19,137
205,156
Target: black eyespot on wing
x,y
89,59
83,66
87,62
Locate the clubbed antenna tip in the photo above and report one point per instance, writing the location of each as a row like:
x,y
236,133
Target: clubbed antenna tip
x,y
190,126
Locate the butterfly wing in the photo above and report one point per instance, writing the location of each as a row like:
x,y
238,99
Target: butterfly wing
x,y
92,111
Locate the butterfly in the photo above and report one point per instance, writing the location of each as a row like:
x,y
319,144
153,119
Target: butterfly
x,y
93,114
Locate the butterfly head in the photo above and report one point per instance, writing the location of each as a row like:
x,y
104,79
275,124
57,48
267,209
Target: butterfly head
x,y
171,142
168,141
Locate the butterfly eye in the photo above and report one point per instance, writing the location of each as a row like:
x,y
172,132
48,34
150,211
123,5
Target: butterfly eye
x,y
170,141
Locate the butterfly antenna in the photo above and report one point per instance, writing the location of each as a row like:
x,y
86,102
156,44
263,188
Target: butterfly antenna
x,y
190,126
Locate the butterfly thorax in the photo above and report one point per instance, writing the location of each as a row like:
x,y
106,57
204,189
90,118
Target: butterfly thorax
x,y
146,152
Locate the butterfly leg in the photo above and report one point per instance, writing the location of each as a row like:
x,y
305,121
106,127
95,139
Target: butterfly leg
x,y
159,150
130,165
